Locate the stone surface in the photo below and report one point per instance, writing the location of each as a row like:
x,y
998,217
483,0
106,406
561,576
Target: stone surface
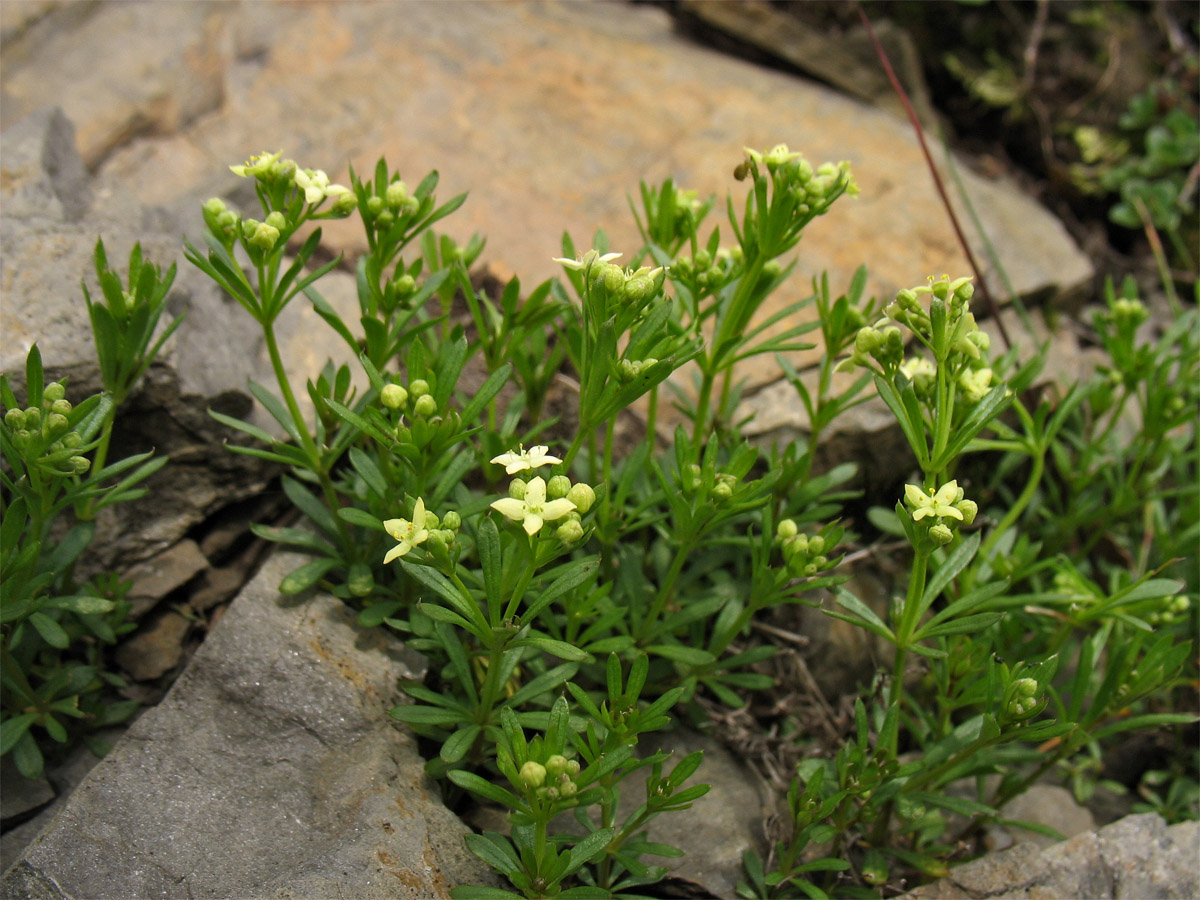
x,y
269,770
502,102
720,826
51,217
157,577
157,647
1136,858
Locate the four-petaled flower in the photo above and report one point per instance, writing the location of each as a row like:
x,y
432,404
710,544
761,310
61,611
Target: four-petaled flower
x,y
534,510
938,504
407,533
589,258
257,165
518,460
316,186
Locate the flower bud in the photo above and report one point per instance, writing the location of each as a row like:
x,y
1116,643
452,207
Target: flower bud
x,y
556,765
941,534
969,509
425,406
276,220
568,788
786,529
214,206
396,194
54,391
570,531
403,434
796,546
516,489
557,487
582,496
691,477
816,544
638,289
249,226
62,407
56,424
533,774
265,236
33,417
404,286
80,464
385,220
722,491
452,521
613,277
393,396
419,387
15,419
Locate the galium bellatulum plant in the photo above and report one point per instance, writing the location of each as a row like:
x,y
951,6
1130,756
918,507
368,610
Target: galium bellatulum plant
x,y
576,589
595,593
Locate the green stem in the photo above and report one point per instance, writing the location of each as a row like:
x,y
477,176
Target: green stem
x,y
665,590
1014,511
908,623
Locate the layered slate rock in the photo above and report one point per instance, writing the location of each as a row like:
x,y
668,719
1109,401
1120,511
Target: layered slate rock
x,y
269,770
1136,858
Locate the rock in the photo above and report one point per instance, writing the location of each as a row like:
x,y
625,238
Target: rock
x,y
269,770
48,231
157,577
503,103
1042,804
156,649
1136,858
175,74
720,826
22,795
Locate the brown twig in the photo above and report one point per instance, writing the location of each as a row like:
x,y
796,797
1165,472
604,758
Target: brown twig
x,y
993,308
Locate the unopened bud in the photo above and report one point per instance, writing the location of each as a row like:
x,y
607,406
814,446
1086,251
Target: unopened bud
x,y
54,391
558,486
80,464
396,194
452,521
786,529
419,387
941,534
516,489
582,496
533,774
62,407
393,396
722,491
15,419
425,406
570,531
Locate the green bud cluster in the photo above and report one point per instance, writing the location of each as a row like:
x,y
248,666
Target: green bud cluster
x,y
415,400
552,780
633,286
1173,608
802,553
569,528
630,369
43,433
809,192
1023,698
706,273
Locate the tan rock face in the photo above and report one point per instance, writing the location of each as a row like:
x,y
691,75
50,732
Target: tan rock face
x,y
548,114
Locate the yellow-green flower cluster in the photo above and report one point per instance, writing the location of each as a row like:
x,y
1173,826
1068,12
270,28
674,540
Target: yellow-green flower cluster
x,y
536,502
941,511
424,526
622,285
812,191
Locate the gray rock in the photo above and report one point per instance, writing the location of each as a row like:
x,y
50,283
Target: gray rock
x,y
269,770
1136,858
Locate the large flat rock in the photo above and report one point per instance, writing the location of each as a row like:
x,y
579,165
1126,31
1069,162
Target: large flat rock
x,y
269,770
548,113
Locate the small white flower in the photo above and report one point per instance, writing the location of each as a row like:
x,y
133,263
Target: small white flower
x,y
534,510
589,258
257,165
407,533
316,186
519,460
938,504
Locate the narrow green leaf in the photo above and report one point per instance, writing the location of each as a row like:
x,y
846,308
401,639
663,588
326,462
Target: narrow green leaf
x,y
305,576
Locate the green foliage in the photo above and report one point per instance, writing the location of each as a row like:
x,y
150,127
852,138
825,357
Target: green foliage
x,y
629,581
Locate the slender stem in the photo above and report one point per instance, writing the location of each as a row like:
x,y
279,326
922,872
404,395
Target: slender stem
x,y
1018,507
665,590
